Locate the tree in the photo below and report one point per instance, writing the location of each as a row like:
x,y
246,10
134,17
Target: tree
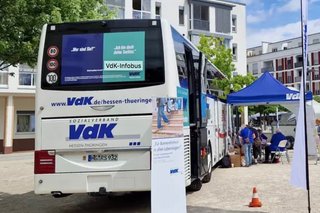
x,y
221,57
21,22
217,53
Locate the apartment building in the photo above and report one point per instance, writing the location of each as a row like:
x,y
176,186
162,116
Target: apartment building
x,y
284,60
17,104
192,18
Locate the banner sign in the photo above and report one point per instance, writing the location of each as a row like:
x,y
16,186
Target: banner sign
x,y
168,193
298,169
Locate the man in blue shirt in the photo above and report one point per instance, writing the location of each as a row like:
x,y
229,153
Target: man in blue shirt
x,y
275,140
247,140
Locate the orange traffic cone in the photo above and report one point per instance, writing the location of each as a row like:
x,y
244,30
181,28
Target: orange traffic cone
x,y
255,202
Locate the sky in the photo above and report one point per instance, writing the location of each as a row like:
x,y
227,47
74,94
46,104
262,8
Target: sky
x,y
277,20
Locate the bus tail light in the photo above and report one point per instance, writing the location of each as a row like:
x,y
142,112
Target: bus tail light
x,y
44,162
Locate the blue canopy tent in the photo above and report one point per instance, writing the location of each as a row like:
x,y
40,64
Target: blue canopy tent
x,y
265,90
268,90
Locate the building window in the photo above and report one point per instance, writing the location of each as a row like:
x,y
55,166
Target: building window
x,y
25,121
274,49
289,63
289,77
235,52
316,58
250,53
223,16
316,75
280,64
200,17
255,68
158,10
234,23
141,9
315,41
118,6
4,76
284,46
226,43
27,76
181,15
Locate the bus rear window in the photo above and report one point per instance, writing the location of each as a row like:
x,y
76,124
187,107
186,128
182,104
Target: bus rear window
x,y
82,56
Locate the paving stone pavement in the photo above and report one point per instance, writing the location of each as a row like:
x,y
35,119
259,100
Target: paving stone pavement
x,y
229,191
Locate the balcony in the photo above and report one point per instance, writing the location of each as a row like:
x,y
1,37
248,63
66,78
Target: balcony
x,y
267,69
298,64
137,14
316,77
289,80
201,24
255,72
298,79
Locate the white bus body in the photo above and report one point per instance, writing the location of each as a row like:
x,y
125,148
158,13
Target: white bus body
x,y
93,128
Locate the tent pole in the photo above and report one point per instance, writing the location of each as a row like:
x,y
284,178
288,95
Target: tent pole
x,y
237,119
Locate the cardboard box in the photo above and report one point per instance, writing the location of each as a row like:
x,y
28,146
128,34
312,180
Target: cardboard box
x,y
235,160
238,151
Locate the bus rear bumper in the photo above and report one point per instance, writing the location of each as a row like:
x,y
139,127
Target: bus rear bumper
x,y
69,183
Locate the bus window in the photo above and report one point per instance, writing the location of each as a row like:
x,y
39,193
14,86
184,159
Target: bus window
x,y
100,57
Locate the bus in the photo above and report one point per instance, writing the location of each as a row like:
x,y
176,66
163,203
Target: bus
x,y
94,95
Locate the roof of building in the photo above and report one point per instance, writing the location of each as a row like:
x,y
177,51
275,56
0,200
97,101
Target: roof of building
x,y
286,40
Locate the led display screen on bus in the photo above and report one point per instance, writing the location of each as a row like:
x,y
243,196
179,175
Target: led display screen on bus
x,y
103,58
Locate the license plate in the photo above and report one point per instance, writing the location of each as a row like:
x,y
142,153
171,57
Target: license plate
x,y
103,157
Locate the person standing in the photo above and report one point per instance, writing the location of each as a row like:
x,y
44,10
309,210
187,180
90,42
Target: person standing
x,y
275,140
247,140
256,145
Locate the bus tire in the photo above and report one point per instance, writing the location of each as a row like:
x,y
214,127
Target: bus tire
x,y
195,185
207,177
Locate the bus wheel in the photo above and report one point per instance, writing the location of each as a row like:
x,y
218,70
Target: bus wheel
x,y
195,185
207,177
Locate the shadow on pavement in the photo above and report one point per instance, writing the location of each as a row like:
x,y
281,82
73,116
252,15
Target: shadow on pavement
x,y
29,202
200,209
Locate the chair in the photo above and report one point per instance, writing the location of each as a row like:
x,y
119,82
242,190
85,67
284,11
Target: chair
x,y
278,152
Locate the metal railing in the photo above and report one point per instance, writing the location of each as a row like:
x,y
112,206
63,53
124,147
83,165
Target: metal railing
x,y
298,79
298,64
200,24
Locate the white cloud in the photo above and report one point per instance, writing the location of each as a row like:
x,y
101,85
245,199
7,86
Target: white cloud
x,y
247,2
291,6
257,16
288,31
